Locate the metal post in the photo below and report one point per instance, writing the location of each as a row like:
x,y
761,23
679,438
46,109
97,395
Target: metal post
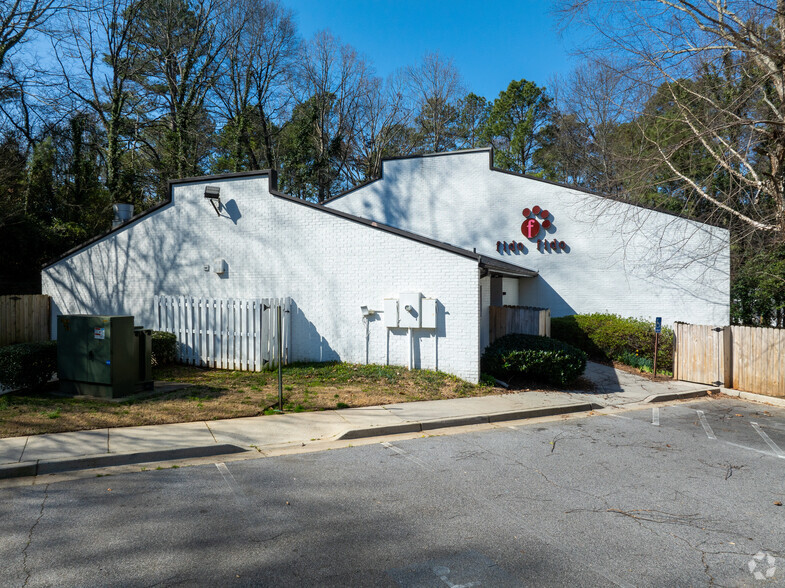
x,y
656,343
280,360
411,352
367,338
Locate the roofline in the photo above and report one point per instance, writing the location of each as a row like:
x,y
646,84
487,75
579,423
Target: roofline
x,y
397,157
503,267
170,183
228,176
491,167
482,261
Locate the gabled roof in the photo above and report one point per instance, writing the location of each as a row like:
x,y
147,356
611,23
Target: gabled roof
x,y
489,151
483,262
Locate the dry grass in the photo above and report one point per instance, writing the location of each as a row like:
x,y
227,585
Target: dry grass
x,y
219,394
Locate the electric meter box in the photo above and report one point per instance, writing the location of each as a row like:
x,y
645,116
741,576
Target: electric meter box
x,y
219,266
390,313
428,313
409,309
102,356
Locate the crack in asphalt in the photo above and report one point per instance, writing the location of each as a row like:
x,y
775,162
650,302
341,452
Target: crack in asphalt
x,y
25,569
500,509
727,469
648,520
529,468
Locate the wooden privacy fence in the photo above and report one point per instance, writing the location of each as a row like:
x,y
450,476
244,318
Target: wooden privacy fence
x,y
742,358
226,333
526,320
24,318
699,354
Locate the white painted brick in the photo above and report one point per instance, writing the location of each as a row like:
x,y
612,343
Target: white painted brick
x,y
328,265
623,259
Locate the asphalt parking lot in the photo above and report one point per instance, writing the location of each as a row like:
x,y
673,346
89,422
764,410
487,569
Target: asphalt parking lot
x,y
687,494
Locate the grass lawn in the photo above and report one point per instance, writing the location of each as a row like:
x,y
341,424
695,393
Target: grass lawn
x,y
220,394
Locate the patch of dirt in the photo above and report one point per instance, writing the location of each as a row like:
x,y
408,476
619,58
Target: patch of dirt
x,y
631,370
223,394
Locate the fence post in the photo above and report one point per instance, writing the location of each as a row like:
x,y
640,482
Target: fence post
x,y
727,337
676,355
280,355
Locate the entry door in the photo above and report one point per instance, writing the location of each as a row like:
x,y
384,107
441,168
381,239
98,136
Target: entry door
x,y
497,291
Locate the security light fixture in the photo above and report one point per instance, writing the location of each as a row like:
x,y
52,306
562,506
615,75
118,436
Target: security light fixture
x,y
367,311
214,194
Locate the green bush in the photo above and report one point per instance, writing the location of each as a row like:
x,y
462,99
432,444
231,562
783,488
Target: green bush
x,y
163,348
27,365
534,358
606,337
633,359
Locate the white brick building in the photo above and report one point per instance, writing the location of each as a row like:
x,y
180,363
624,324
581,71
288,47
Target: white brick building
x,y
430,225
609,256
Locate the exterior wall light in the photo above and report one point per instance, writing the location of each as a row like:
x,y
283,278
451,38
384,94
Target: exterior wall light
x,y
213,193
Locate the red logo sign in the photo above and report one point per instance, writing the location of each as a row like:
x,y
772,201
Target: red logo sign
x,y
530,228
535,229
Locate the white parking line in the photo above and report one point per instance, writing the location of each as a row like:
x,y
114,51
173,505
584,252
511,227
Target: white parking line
x,y
231,482
705,423
655,416
774,447
761,451
405,454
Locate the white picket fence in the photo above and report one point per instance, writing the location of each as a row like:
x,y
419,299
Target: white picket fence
x,y
226,333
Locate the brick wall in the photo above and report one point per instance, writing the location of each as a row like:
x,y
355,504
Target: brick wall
x,y
619,258
273,247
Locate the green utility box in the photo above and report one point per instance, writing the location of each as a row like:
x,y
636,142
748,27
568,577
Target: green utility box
x,y
103,356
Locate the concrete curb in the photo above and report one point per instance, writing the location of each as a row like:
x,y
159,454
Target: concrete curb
x,y
762,398
497,417
680,395
102,460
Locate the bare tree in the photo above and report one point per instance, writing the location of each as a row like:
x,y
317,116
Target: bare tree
x,y
332,84
436,88
714,121
20,83
99,61
181,44
18,19
383,129
587,142
18,112
253,88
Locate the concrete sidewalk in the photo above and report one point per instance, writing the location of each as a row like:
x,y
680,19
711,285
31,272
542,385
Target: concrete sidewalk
x,y
59,452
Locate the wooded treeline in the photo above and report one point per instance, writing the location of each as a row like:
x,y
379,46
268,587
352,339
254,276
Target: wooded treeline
x,y
676,105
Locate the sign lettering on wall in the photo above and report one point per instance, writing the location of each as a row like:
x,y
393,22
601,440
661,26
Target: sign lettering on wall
x,y
536,227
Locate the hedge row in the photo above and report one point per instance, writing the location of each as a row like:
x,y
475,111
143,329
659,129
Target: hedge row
x,y
27,365
533,358
31,365
164,348
606,337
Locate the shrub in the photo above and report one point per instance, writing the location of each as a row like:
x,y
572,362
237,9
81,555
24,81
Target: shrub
x,y
163,348
606,337
535,358
27,365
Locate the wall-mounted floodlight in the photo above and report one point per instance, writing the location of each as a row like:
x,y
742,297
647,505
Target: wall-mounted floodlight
x,y
367,311
214,194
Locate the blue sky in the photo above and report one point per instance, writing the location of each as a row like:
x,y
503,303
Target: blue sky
x,y
490,43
